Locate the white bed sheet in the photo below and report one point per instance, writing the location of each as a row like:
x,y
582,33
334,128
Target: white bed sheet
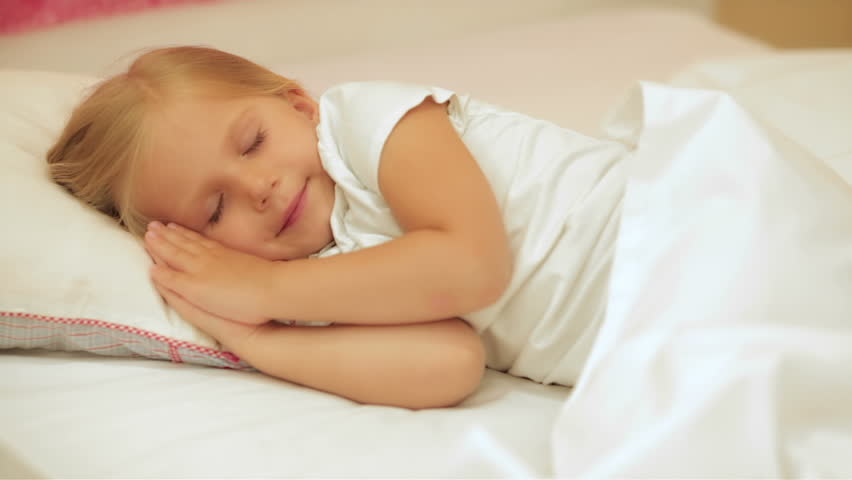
x,y
74,415
727,348
82,416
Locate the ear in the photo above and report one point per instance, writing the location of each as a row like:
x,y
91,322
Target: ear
x,y
304,103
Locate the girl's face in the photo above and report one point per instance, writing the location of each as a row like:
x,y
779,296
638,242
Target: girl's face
x,y
245,172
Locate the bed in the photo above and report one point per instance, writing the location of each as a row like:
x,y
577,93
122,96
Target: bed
x,y
74,414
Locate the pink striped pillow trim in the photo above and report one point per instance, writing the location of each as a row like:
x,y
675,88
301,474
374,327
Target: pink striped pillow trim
x,y
29,330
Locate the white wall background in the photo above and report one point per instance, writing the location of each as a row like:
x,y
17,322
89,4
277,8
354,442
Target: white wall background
x,y
294,30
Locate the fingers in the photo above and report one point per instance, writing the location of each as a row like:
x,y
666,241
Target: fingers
x,y
167,294
226,332
178,283
165,277
182,306
154,257
167,251
186,310
174,300
177,235
177,246
189,235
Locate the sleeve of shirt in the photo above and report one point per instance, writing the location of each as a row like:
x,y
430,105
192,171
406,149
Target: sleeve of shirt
x,y
358,118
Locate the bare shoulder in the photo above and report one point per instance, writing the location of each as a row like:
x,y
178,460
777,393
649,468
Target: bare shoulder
x,y
428,122
432,182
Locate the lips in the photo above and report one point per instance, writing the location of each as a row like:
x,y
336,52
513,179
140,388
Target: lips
x,y
294,210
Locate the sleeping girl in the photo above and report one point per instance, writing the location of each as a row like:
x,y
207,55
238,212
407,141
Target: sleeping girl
x,y
430,233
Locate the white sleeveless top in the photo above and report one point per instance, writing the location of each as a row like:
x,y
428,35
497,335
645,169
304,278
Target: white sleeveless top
x,y
560,194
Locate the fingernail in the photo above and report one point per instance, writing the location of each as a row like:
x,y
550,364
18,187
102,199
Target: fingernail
x,y
172,225
154,225
150,234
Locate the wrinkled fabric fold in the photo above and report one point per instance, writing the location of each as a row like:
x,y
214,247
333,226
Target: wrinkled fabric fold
x,y
727,346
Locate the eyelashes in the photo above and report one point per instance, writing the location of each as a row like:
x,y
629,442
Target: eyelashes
x,y
258,141
220,205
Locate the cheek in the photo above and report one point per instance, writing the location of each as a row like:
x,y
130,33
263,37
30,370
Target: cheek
x,y
302,150
235,235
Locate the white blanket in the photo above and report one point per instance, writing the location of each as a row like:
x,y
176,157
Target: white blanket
x,y
727,349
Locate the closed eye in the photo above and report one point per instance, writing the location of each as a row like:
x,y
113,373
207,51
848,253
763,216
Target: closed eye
x,y
258,141
217,214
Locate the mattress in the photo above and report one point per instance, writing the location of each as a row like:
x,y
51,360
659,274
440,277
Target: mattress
x,y
77,415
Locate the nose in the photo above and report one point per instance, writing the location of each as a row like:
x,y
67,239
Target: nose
x,y
259,186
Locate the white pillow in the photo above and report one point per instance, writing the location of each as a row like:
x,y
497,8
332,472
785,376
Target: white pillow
x,y
73,279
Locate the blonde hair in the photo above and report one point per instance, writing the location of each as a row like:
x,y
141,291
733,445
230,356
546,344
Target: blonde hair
x,y
98,152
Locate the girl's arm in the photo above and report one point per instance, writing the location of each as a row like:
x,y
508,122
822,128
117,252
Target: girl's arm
x,y
426,365
453,259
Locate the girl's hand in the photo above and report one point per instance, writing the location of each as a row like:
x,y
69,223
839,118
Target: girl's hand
x,y
208,275
231,335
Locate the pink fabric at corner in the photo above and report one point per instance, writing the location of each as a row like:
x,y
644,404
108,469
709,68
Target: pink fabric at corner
x,y
22,15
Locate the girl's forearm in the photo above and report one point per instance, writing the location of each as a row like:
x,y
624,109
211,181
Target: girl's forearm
x,y
426,365
422,276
